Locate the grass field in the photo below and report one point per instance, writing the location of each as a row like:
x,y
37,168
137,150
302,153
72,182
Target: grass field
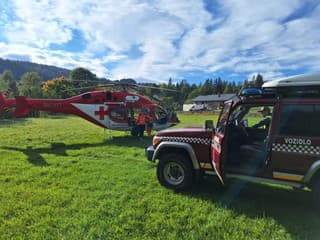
x,y
63,178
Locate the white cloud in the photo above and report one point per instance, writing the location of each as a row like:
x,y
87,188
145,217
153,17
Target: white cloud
x,y
173,36
252,11
56,58
267,75
271,75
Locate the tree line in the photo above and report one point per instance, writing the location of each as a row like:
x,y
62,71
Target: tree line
x,y
170,95
185,92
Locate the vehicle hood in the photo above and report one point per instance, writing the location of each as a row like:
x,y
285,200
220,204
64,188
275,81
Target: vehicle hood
x,y
186,132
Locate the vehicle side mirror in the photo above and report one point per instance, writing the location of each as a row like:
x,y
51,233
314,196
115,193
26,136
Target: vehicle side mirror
x,y
209,125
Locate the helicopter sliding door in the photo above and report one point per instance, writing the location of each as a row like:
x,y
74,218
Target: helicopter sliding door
x,y
119,114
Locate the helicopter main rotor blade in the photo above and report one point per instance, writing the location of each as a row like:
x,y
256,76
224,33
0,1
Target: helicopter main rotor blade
x,y
93,81
125,85
160,88
88,87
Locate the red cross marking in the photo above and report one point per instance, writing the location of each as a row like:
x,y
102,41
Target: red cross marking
x,y
101,113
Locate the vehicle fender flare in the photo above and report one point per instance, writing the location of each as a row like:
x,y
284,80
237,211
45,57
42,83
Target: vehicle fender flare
x,y
177,145
314,169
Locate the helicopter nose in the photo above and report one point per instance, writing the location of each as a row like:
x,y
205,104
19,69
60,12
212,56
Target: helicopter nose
x,y
173,117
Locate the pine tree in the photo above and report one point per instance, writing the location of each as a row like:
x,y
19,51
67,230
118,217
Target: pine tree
x,y
246,84
219,86
259,81
228,88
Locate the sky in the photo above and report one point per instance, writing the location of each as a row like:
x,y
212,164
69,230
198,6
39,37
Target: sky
x,y
152,41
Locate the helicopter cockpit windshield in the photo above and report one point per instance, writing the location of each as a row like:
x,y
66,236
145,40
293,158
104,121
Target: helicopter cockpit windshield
x,y
161,115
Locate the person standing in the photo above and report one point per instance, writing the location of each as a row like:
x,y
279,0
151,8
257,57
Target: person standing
x,y
141,123
149,122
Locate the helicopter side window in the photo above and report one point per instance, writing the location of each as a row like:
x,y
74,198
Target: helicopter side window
x,y
119,113
87,96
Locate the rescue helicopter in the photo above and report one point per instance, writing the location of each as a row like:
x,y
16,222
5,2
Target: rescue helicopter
x,y
113,110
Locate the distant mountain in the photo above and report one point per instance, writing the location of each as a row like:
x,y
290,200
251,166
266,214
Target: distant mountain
x,y
18,68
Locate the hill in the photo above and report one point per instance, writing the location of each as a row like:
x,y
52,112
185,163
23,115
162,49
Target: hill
x,y
18,68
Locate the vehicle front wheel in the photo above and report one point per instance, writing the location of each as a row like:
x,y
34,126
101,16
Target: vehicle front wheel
x,y
175,171
316,194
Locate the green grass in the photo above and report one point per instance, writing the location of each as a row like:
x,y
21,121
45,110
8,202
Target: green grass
x,y
63,178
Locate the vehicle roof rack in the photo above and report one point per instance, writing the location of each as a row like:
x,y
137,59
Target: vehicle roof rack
x,y
299,86
295,92
303,80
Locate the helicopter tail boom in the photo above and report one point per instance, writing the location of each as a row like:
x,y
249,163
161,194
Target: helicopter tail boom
x,y
22,107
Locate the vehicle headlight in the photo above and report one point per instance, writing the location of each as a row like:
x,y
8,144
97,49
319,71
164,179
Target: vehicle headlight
x,y
155,140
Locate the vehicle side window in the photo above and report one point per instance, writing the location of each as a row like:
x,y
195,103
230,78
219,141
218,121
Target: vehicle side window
x,y
299,120
252,116
119,113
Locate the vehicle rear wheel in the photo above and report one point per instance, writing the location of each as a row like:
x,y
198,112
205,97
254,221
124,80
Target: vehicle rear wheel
x,y
316,194
174,171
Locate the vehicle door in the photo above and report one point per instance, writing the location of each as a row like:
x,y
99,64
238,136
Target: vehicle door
x,y
218,150
296,142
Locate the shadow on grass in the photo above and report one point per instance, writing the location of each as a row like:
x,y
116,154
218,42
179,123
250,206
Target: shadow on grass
x,y
54,116
129,141
293,209
6,122
59,149
33,155
12,121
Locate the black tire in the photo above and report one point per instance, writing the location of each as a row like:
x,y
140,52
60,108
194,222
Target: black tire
x,y
175,171
316,194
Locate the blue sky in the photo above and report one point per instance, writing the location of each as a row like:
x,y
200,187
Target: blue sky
x,y
155,40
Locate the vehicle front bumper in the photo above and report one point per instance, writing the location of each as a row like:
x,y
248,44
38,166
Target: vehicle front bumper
x,y
149,153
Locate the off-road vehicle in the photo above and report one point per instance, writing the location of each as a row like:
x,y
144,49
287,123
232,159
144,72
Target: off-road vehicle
x,y
270,134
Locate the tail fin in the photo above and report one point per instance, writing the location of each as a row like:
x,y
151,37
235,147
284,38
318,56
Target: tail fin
x,y
22,107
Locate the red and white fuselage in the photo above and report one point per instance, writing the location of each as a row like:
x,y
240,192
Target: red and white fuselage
x,y
112,110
